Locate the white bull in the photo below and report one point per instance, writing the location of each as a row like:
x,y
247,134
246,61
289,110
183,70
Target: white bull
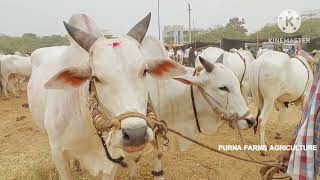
x,y
58,98
239,62
13,64
275,78
172,100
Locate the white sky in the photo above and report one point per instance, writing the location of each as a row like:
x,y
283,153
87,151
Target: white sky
x,y
44,17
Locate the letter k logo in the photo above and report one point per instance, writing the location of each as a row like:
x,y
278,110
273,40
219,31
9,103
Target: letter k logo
x,y
289,21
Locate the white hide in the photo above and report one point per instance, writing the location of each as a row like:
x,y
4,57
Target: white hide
x,y
234,62
277,78
61,107
172,99
80,21
13,64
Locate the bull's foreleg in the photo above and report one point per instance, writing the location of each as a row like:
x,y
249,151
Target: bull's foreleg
x,y
109,176
283,112
133,175
263,118
157,166
62,163
4,86
12,86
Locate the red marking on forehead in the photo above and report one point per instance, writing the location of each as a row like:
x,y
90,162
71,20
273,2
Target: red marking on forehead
x,y
115,44
163,68
87,22
69,78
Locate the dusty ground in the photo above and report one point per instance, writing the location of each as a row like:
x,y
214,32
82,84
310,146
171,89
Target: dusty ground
x,y
25,153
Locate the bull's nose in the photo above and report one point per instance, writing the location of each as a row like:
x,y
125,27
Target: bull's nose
x,y
251,121
134,137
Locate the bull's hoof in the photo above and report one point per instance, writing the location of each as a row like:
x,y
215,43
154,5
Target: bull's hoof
x,y
21,118
25,105
263,153
278,136
77,166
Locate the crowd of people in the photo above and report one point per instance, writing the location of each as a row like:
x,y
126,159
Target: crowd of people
x,y
186,56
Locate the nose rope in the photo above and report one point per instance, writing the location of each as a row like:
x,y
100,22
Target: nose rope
x,y
104,123
226,115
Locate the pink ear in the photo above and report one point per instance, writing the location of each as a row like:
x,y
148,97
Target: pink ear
x,y
165,69
69,78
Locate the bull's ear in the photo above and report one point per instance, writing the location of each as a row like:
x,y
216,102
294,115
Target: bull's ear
x,y
189,80
164,69
69,78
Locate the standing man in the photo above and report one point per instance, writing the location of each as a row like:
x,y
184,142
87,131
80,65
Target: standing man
x,y
192,57
305,164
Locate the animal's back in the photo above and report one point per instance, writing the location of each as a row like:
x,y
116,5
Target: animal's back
x,y
46,54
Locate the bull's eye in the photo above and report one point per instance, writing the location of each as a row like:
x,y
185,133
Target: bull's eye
x,y
224,88
96,79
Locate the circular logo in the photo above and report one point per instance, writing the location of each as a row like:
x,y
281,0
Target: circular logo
x,y
289,21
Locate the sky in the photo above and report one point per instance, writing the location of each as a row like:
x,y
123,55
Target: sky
x,y
44,17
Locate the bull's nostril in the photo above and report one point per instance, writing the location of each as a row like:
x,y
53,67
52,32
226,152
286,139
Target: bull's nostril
x,y
125,136
135,136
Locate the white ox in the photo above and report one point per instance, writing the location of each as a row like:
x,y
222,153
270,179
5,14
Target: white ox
x,y
10,65
58,97
239,62
277,79
172,100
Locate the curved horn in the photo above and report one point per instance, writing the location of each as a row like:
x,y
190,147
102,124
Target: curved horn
x,y
85,40
206,64
139,30
220,59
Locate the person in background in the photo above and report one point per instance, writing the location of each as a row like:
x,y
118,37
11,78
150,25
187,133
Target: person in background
x,y
171,53
186,57
291,51
196,52
305,164
192,57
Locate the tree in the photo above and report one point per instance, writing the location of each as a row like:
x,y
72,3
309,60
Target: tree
x,y
234,29
237,25
29,42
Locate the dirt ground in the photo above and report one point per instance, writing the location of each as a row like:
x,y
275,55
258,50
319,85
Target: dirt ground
x,y
25,153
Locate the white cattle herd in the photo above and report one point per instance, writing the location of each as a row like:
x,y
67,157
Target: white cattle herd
x,y
127,73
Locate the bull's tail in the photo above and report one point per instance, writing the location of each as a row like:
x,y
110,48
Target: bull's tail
x,y
255,89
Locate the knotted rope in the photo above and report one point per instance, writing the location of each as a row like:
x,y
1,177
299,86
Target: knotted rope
x,y
104,124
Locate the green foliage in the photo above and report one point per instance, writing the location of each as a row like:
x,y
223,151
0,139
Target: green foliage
x,y
234,29
309,28
29,42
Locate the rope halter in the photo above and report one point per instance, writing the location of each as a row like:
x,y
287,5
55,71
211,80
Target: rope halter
x,y
104,123
225,115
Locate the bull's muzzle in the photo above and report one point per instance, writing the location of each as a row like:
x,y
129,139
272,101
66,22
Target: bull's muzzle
x,y
134,137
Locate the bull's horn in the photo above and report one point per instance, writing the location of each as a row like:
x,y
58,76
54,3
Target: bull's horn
x,y
208,66
139,30
85,40
220,59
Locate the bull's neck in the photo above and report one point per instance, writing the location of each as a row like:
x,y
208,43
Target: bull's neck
x,y
208,120
176,106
